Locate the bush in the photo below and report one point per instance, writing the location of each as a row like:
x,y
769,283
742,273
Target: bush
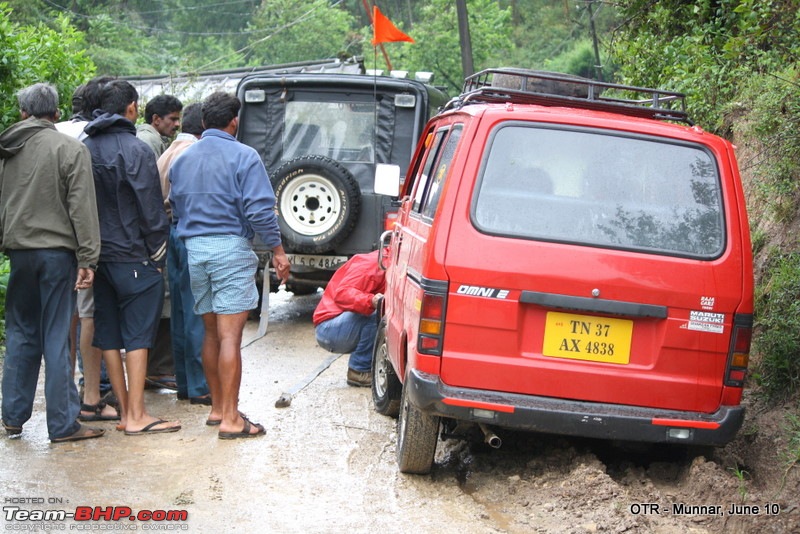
x,y
778,326
705,49
31,54
772,106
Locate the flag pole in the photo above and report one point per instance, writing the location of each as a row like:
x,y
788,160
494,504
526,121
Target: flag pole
x,y
368,9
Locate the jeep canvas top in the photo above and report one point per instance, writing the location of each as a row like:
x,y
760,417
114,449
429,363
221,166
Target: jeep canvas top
x,y
321,136
566,259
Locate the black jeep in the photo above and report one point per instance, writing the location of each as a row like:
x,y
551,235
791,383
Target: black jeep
x,y
322,136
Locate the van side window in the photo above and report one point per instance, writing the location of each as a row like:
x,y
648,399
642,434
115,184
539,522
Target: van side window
x,y
431,199
422,178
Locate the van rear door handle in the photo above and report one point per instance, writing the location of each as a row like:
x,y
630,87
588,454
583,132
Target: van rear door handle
x,y
614,307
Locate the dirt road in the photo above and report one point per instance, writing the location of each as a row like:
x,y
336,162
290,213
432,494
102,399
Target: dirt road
x,y
327,465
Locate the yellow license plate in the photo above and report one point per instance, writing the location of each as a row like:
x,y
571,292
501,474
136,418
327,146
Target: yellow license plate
x,y
584,337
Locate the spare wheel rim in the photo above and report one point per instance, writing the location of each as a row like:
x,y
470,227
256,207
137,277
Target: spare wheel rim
x,y
310,204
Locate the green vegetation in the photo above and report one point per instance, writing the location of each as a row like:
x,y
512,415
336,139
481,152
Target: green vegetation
x,y
770,106
707,49
289,24
778,324
139,37
30,54
741,476
792,454
490,36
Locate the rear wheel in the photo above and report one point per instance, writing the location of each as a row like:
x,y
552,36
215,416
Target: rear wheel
x,y
386,387
417,435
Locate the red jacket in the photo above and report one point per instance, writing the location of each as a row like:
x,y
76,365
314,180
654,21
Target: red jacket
x,y
352,287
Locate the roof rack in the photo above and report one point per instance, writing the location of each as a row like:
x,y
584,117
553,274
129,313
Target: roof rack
x,y
511,85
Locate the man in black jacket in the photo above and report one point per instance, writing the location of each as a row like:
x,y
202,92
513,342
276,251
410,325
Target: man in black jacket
x,y
129,288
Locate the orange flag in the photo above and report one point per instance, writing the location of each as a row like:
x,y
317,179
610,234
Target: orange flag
x,y
385,31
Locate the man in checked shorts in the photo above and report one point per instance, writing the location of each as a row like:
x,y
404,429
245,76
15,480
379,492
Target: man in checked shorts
x,y
221,197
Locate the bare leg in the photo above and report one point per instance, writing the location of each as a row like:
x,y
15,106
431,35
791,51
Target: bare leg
x,y
138,418
229,368
92,357
210,355
116,375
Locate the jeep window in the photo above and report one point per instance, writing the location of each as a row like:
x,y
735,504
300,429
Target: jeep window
x,y
339,130
591,187
431,199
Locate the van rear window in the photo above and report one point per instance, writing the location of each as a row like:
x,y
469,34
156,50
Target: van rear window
x,y
594,188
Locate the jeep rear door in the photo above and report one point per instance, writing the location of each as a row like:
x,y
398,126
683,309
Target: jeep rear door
x,y
604,263
353,120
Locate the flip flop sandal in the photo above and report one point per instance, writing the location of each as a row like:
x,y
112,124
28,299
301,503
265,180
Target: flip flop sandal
x,y
150,429
84,432
97,413
245,433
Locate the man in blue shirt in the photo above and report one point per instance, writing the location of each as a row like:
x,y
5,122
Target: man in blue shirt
x,y
221,197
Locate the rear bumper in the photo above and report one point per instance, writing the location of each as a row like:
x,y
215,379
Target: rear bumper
x,y
574,418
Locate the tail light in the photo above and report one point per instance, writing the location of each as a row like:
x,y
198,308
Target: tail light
x,y
739,352
389,219
431,323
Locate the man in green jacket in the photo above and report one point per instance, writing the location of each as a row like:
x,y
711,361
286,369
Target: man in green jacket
x,y
50,232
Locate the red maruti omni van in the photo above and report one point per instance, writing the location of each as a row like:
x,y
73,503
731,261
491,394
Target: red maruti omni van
x,y
567,259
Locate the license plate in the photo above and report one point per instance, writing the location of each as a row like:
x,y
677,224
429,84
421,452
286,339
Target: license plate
x,y
585,337
329,263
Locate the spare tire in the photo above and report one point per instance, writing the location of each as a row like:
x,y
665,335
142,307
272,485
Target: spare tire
x,y
318,202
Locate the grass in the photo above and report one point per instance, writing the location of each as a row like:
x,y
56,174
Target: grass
x,y
792,453
742,476
778,326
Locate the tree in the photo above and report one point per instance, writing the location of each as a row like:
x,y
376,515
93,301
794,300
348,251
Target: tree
x,y
31,54
705,49
300,30
437,44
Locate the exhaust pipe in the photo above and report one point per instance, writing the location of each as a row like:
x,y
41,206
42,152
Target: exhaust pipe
x,y
489,437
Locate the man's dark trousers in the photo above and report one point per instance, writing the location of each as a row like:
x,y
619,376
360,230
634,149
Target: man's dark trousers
x,y
40,302
186,328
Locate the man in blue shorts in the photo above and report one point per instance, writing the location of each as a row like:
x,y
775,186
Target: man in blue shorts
x,y
221,197
129,287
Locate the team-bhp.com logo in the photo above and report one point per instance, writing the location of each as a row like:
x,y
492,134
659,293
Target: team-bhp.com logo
x,y
86,518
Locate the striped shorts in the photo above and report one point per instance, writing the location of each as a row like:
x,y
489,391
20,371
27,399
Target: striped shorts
x,y
222,269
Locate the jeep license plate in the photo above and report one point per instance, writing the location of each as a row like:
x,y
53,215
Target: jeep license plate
x,y
585,337
329,263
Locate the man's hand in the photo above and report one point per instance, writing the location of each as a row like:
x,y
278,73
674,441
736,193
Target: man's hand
x,y
376,299
282,266
85,278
